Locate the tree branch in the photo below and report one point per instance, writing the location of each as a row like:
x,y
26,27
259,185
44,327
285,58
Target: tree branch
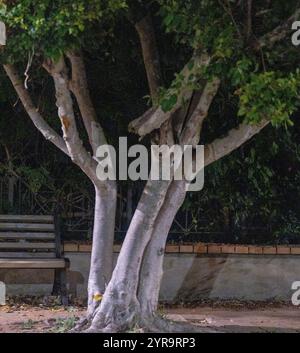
x,y
79,87
146,33
278,33
192,130
155,117
236,137
249,20
32,110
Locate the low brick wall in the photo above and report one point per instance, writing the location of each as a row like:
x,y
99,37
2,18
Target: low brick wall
x,y
204,248
191,272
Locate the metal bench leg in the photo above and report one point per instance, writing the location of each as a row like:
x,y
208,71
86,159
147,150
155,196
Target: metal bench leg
x,y
60,285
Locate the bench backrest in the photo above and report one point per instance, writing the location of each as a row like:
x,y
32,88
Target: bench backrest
x,y
29,237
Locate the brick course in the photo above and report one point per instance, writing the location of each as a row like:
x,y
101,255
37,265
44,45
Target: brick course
x,y
203,248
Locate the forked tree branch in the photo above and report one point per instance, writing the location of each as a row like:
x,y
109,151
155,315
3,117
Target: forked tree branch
x,y
32,111
64,102
155,117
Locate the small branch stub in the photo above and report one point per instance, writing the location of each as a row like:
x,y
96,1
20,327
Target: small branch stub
x,y
2,33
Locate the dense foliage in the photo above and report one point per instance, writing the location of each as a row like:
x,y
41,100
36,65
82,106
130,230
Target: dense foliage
x,y
257,185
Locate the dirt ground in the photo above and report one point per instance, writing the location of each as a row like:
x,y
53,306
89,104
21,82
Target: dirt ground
x,y
228,320
221,318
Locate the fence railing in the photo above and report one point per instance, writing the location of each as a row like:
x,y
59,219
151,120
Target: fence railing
x,y
77,207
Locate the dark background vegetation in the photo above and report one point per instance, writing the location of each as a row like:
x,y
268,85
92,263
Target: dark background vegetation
x,y
251,196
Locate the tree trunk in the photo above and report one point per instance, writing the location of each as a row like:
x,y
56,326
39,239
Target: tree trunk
x,y
11,179
152,268
103,239
132,295
120,309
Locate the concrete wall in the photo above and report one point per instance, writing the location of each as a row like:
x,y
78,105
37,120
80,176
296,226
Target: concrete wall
x,y
187,277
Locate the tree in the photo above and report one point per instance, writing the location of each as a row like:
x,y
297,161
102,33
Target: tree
x,y
71,143
226,58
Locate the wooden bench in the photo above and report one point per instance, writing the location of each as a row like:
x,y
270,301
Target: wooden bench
x,y
34,242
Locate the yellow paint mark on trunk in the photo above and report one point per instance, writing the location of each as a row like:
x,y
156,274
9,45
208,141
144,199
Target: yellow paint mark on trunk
x,y
97,297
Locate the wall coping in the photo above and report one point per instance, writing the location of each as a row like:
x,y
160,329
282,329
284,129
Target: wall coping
x,y
202,248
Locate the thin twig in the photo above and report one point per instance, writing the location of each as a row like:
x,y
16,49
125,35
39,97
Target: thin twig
x,y
29,63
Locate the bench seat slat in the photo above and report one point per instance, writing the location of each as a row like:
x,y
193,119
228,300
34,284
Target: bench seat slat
x,y
29,263
27,255
28,218
29,236
38,246
27,226
26,245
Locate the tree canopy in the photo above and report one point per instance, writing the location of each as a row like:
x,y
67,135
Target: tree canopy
x,y
38,29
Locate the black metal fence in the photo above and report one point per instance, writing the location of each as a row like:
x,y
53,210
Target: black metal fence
x,y
76,208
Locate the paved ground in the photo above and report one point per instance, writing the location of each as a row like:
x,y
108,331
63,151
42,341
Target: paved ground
x,y
228,320
38,319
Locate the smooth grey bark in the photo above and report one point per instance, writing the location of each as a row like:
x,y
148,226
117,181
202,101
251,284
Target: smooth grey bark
x,y
120,307
235,138
103,240
79,86
152,267
192,130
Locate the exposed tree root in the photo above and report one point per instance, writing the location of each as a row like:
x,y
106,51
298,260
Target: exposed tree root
x,y
142,324
159,324
80,326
